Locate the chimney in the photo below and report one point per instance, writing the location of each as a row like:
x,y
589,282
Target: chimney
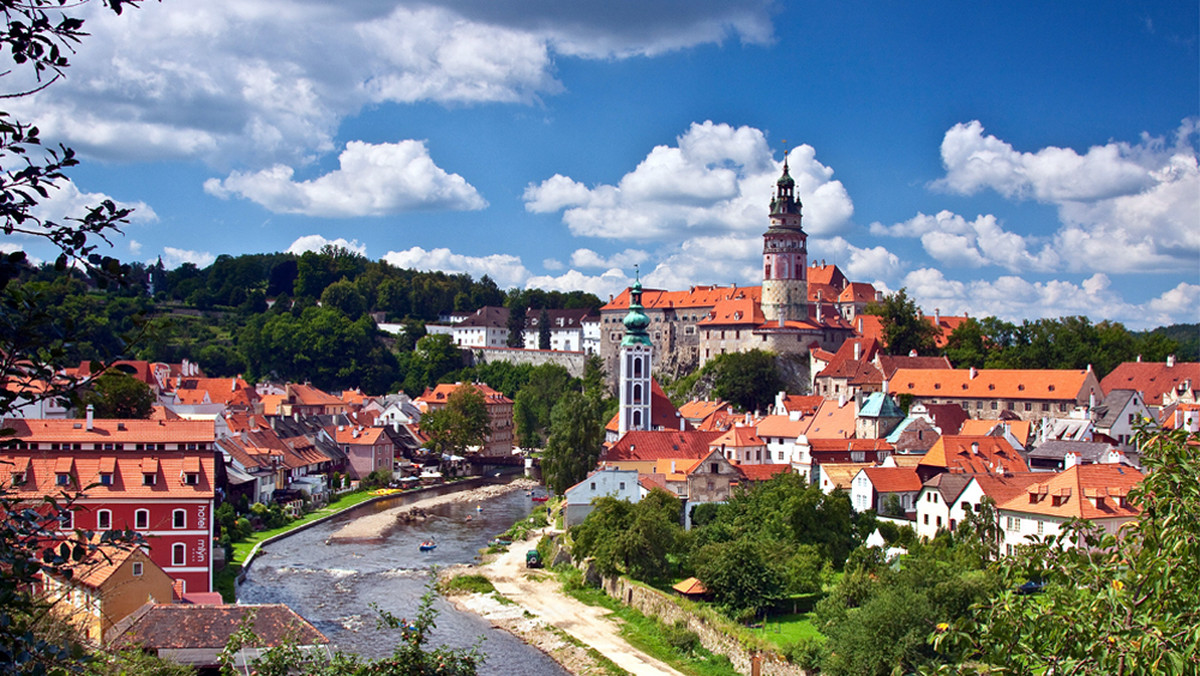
x,y
819,307
841,400
1070,460
937,316
884,387
857,350
91,415
860,327
1139,359
974,373
974,448
912,353
1170,361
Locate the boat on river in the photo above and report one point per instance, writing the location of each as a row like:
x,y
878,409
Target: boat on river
x,y
427,545
540,498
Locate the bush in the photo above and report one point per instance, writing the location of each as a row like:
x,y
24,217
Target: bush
x,y
805,653
679,637
468,584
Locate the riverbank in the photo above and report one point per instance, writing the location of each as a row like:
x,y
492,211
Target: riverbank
x,y
376,526
529,605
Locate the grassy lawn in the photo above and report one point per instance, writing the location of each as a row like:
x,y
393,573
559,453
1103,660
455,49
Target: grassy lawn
x,y
225,580
783,630
651,636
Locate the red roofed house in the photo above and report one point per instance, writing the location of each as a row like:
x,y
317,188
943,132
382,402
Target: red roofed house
x,y
642,449
155,477
741,445
874,487
663,415
985,393
368,449
1093,492
710,480
499,441
946,499
970,455
306,400
106,588
781,434
1161,384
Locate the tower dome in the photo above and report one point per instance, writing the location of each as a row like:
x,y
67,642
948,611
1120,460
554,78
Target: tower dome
x,y
635,320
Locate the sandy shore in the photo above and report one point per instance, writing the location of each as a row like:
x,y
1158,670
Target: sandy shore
x,y
377,525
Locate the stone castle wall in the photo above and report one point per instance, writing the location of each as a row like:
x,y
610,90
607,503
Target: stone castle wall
x,y
574,362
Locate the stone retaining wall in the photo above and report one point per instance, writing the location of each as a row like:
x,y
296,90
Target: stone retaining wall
x,y
573,362
654,603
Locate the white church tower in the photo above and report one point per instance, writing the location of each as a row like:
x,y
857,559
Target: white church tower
x,y
636,355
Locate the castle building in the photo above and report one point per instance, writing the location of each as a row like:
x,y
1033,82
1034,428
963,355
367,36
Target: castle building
x,y
798,306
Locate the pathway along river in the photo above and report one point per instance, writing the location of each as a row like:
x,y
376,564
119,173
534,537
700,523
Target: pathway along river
x,y
333,585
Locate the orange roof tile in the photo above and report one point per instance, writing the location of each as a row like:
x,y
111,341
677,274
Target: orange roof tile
x,y
219,390
832,422
111,431
857,292
1034,384
806,404
1083,491
698,409
1020,429
1152,379
958,453
782,426
894,479
763,472
663,413
738,311
739,436
127,482
642,445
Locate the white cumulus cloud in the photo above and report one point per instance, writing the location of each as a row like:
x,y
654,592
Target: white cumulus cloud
x,y
317,242
586,258
173,258
371,180
505,269
718,179
955,241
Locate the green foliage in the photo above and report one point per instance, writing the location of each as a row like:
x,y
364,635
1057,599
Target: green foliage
x,y
433,357
1139,591
467,584
744,575
463,422
806,652
905,328
575,441
544,330
631,539
547,385
750,380
117,395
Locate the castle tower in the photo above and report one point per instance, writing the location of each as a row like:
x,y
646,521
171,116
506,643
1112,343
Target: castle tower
x,y
785,256
634,385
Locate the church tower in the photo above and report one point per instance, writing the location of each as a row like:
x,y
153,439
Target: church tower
x,y
785,257
636,349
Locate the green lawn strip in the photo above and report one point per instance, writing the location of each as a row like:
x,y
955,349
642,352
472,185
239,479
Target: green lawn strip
x,y
467,584
648,635
225,580
784,630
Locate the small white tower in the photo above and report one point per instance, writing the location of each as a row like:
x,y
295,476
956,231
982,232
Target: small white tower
x,y
636,356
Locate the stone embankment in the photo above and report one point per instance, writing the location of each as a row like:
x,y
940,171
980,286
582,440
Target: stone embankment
x,y
375,526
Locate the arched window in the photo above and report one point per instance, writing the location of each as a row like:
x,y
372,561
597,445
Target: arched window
x,y
178,554
637,394
637,419
637,367
104,519
141,519
179,518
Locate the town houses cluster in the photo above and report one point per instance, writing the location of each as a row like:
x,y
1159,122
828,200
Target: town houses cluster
x,y
1044,446
209,441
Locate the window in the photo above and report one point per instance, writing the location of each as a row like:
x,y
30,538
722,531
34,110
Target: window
x,y
994,405
1028,406
1040,526
141,519
147,479
622,485
178,554
926,519
66,520
62,479
965,506
1133,418
136,569
103,519
191,479
106,479
939,522
713,467
1045,407
593,484
179,518
18,478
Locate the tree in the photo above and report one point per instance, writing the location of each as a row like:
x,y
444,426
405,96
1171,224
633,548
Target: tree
x,y
534,402
516,321
118,395
544,330
463,422
575,442
1138,589
748,379
967,345
905,328
743,575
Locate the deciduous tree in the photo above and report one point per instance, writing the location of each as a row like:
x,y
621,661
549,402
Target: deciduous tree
x,y
905,328
574,445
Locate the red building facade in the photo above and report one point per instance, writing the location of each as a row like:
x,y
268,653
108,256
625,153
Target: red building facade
x,y
154,477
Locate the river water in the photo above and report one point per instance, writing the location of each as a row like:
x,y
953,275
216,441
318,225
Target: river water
x,y
333,585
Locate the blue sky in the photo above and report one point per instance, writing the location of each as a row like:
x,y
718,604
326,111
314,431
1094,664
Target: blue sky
x,y
1022,160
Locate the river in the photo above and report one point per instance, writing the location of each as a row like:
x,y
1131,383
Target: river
x,y
333,585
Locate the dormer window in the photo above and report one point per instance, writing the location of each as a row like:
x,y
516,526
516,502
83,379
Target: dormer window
x,y
191,479
62,479
148,479
106,479
18,478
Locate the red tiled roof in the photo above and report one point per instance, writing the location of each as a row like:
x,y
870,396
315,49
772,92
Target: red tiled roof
x,y
1152,379
807,404
832,422
440,393
889,364
127,469
763,472
1034,384
219,390
698,409
662,412
857,292
739,436
956,453
1094,491
111,431
642,445
690,586
739,311
696,297
945,325
894,479
782,426
307,395
186,626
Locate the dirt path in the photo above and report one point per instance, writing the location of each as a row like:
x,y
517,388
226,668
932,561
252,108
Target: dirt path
x,y
538,593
